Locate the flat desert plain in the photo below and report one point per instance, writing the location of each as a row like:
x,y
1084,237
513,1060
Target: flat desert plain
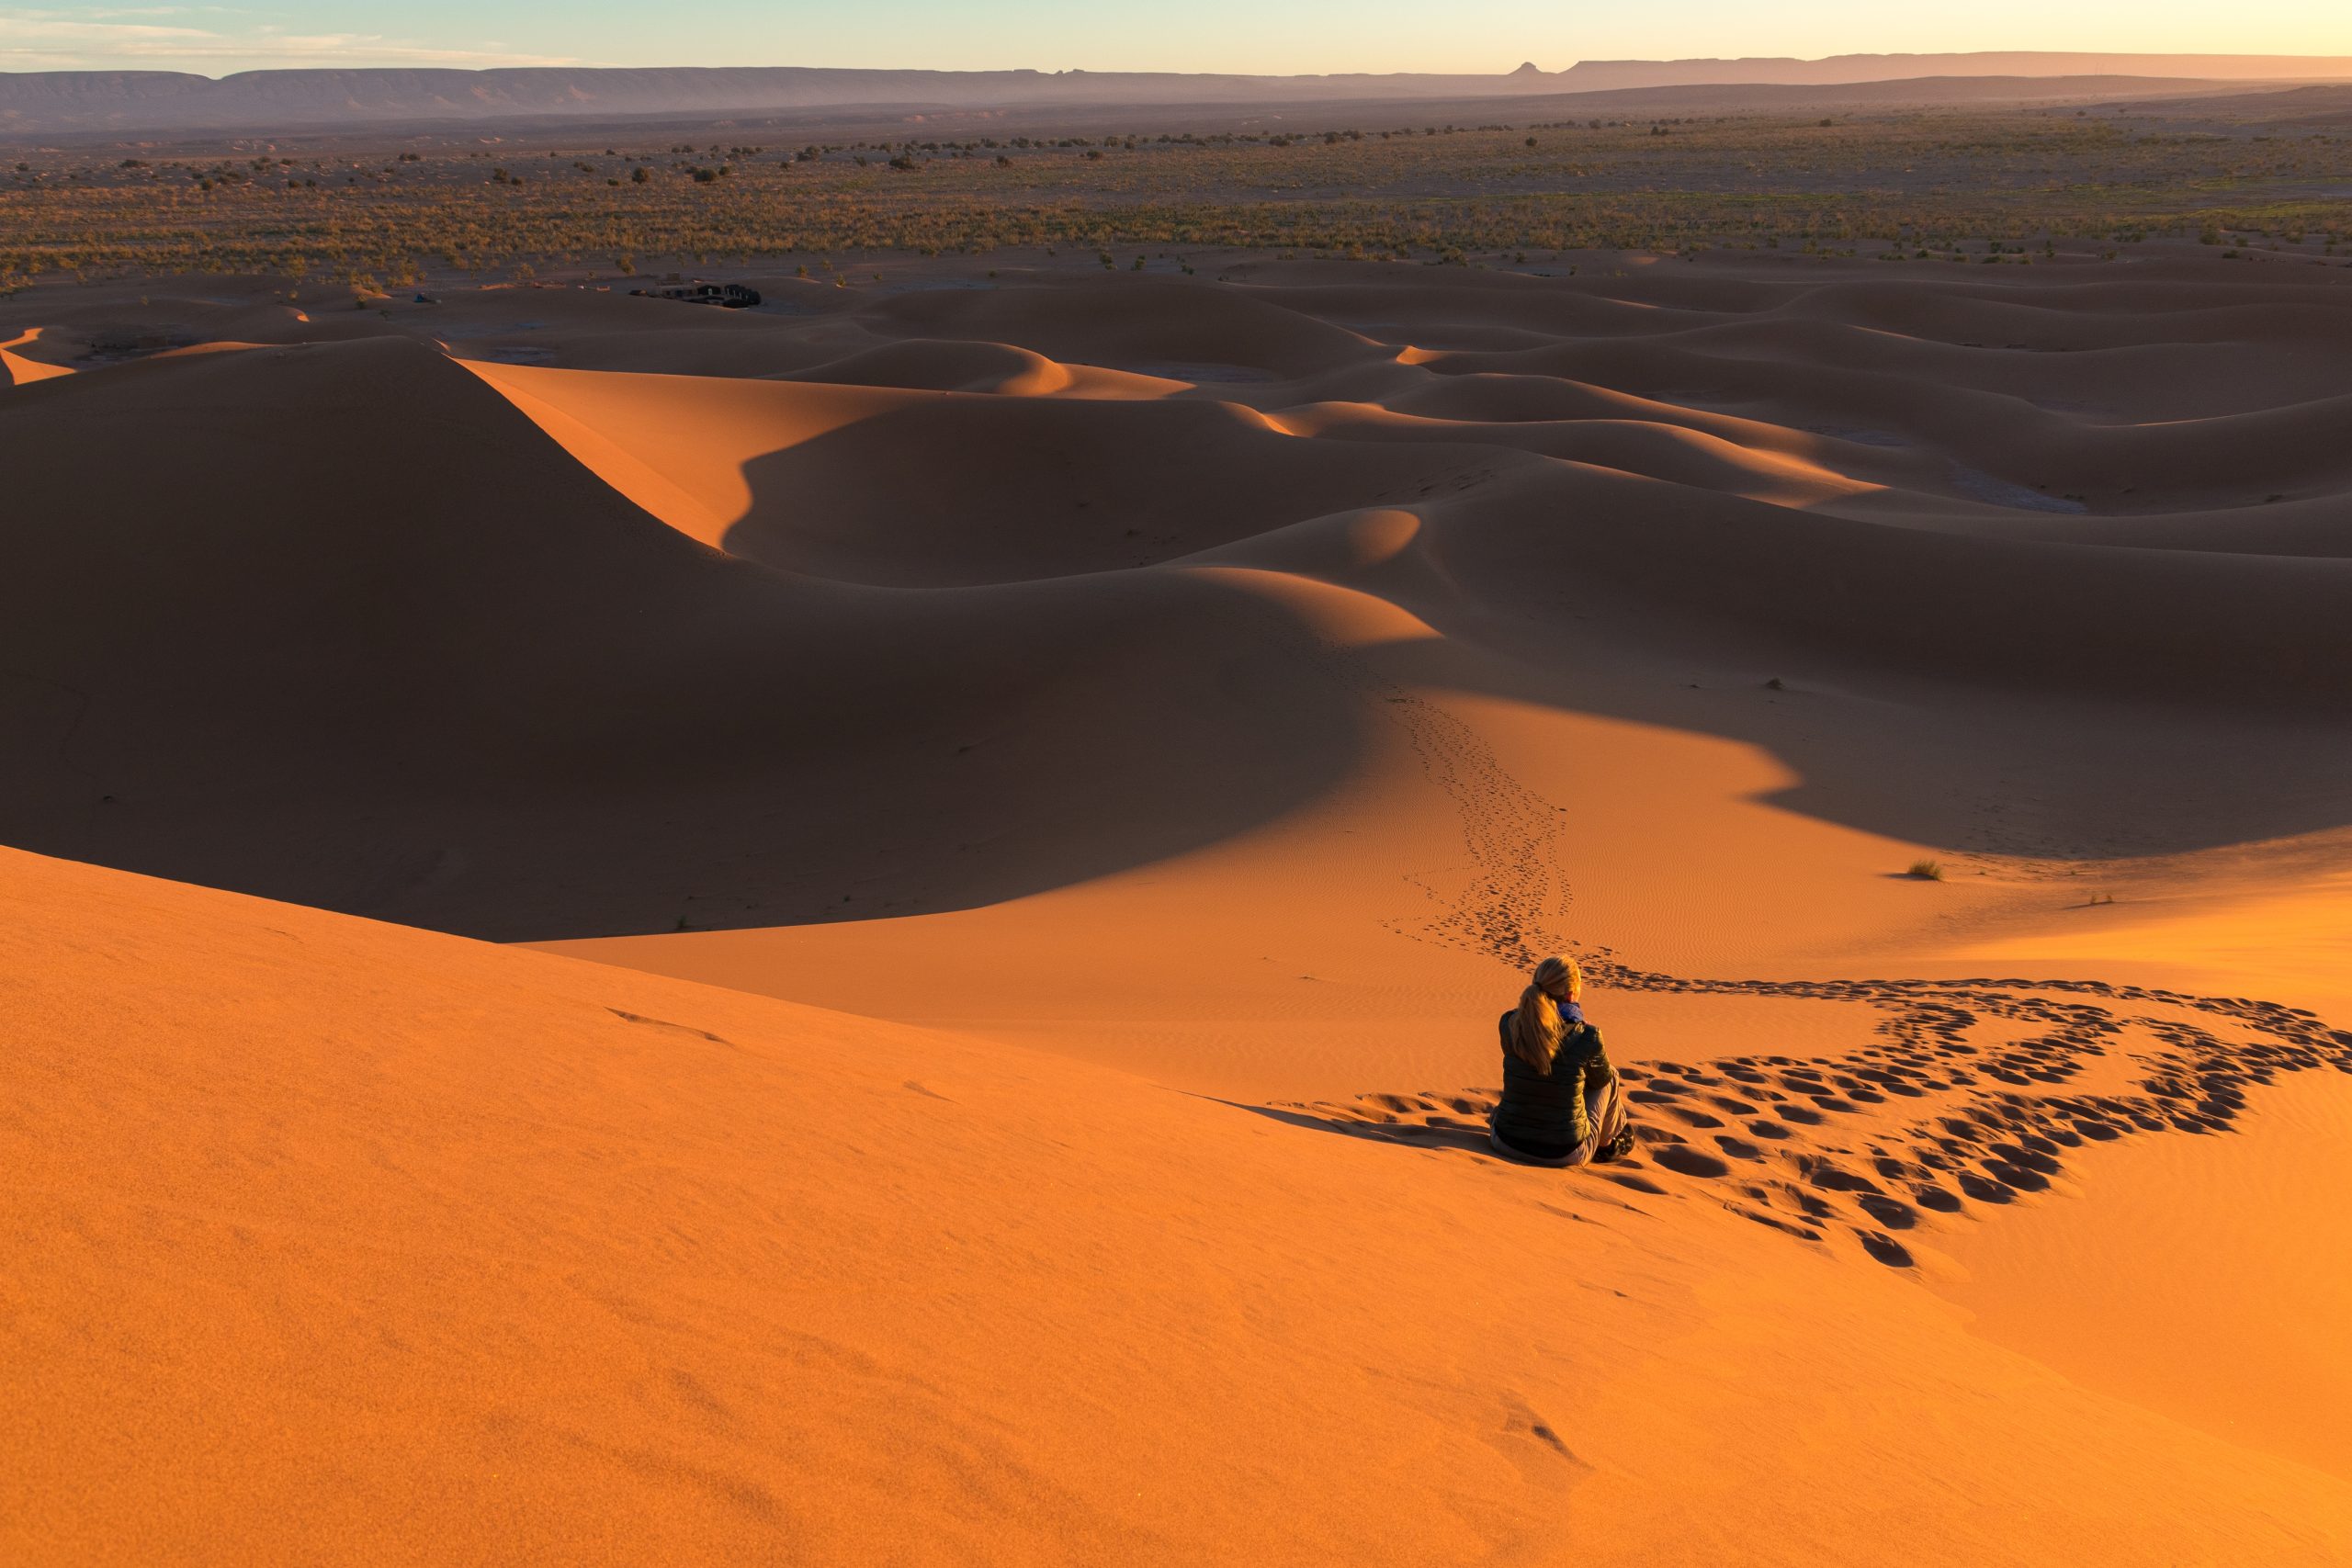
x,y
869,930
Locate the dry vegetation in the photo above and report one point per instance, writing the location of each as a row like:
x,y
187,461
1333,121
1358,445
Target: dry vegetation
x,y
1912,186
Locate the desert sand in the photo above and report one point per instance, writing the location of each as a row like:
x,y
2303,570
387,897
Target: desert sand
x,y
869,930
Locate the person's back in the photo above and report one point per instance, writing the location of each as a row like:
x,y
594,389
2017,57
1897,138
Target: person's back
x,y
1561,1103
1545,1112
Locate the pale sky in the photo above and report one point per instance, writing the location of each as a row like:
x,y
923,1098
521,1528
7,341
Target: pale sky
x,y
1258,36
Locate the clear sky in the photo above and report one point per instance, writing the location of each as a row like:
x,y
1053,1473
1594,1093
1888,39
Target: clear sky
x,y
1271,35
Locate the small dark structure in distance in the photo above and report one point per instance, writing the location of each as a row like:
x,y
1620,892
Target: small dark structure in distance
x,y
727,296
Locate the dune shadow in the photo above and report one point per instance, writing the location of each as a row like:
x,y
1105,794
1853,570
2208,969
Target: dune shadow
x,y
974,490
522,708
958,668
1967,769
1897,710
1464,1140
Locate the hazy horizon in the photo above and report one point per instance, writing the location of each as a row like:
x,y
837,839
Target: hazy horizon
x,y
1482,37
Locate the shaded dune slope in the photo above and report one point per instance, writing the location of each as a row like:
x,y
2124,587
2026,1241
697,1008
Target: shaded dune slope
x,y
345,628
973,543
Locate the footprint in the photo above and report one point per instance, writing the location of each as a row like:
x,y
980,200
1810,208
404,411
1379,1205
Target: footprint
x,y
1786,1228
665,1023
1688,1161
1534,1446
1886,1250
1936,1197
1892,1214
1960,1097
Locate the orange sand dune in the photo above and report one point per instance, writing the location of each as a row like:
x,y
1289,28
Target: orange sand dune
x,y
1177,711
22,371
502,635
810,478
570,1263
2179,1242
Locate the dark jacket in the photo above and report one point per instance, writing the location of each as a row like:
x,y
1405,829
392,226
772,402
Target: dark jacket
x,y
1544,1113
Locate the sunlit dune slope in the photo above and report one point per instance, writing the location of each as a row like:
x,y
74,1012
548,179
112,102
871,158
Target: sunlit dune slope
x,y
22,371
913,489
567,1262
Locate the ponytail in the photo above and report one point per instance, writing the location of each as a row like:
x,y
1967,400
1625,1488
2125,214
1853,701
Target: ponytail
x,y
1536,1031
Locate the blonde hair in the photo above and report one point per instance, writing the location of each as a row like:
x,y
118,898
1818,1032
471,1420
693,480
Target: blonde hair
x,y
1536,1031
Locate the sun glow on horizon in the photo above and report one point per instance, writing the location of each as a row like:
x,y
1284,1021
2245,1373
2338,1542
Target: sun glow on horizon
x,y
1481,36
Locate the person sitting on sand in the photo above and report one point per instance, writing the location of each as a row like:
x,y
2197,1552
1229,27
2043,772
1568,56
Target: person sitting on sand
x,y
1562,1104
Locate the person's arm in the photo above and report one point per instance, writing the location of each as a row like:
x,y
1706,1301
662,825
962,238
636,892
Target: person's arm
x,y
1599,1071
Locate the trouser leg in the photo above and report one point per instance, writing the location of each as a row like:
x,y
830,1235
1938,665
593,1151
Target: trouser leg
x,y
1605,1104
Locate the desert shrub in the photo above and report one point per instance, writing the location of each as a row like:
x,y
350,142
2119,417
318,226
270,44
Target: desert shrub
x,y
1457,194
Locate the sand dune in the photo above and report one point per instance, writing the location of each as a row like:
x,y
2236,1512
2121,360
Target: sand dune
x,y
1117,321
814,477
1538,532
530,624
22,371
2148,1205
1174,712
576,1263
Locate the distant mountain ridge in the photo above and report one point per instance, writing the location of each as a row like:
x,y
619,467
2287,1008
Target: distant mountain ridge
x,y
1850,68
161,100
